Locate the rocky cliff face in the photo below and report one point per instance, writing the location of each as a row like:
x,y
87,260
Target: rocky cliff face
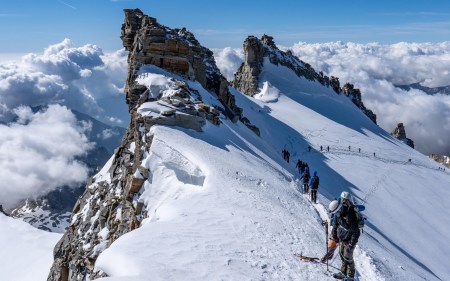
x,y
175,50
110,205
246,78
400,133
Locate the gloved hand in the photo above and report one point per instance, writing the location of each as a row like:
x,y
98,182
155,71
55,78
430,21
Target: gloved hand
x,y
332,244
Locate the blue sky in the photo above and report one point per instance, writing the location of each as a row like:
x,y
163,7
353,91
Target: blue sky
x,y
31,25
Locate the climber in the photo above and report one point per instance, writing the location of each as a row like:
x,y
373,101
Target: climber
x,y
299,166
309,148
314,185
346,232
305,179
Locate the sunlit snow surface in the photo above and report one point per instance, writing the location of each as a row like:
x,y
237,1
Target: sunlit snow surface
x,y
26,252
224,205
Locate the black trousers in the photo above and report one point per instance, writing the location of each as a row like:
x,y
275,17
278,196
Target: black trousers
x,y
313,195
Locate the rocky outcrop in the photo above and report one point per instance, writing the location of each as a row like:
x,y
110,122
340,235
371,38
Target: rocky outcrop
x,y
355,95
246,79
175,50
110,205
400,133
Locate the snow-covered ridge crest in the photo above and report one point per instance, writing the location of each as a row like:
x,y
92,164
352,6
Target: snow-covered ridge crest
x,y
172,81
247,77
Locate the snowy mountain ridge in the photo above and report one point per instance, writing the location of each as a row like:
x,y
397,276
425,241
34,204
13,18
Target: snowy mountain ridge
x,y
191,195
257,50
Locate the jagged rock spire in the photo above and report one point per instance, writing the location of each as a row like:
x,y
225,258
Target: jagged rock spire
x,y
400,133
175,50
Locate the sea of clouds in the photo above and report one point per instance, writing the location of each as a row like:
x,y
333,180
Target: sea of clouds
x,y
38,153
78,77
40,138
376,68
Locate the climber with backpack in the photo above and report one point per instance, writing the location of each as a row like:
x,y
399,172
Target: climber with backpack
x,y
314,185
305,179
345,232
346,199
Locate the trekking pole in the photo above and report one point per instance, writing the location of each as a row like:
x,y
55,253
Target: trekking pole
x,y
326,239
325,223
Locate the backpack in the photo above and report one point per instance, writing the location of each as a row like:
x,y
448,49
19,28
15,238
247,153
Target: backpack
x,y
361,219
315,182
306,178
360,216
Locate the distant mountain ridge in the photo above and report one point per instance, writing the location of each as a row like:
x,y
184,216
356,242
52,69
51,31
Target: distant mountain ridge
x,y
445,90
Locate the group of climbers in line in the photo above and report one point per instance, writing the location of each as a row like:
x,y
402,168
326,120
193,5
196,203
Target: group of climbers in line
x,y
308,183
344,234
344,218
328,149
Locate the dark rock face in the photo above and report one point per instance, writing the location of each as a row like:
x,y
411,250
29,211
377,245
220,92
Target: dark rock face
x,y
400,133
175,50
355,94
110,205
246,78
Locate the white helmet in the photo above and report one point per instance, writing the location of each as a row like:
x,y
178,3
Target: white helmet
x,y
345,195
334,206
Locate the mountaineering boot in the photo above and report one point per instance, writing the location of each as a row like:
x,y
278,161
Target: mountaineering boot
x,y
339,275
349,279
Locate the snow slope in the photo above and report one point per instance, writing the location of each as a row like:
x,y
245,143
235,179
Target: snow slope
x,y
26,252
223,204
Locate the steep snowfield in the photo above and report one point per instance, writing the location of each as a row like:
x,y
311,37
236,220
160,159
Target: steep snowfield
x,y
26,252
224,205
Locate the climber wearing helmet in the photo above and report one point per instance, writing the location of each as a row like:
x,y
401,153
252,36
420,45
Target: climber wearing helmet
x,y
345,232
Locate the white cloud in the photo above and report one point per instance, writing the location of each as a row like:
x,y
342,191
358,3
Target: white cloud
x,y
228,61
37,154
107,133
73,76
